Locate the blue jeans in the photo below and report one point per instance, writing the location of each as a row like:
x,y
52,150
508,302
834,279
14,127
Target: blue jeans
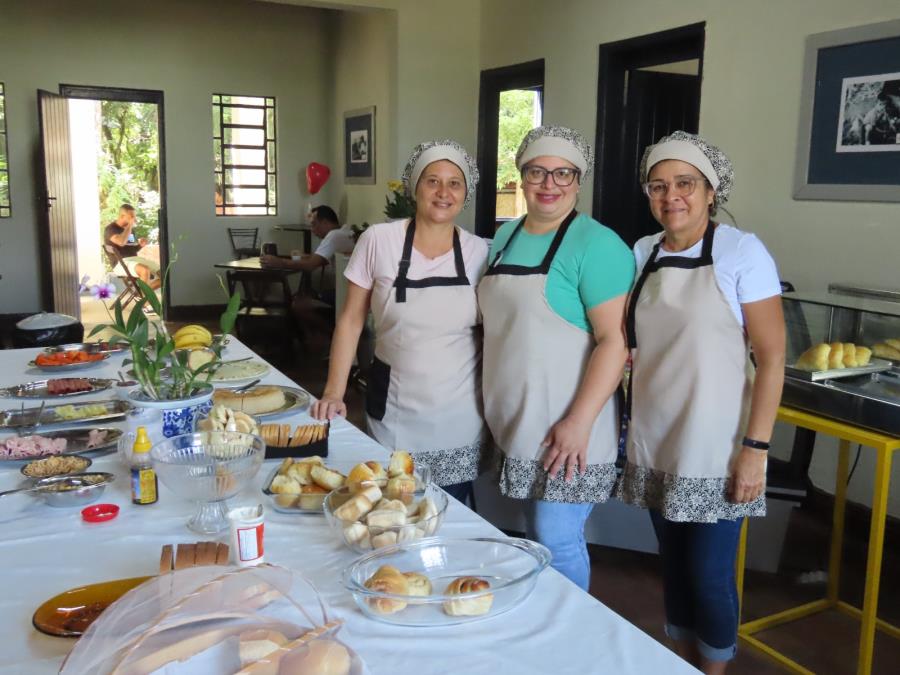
x,y
560,527
698,583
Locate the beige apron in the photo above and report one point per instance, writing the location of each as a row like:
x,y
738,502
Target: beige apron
x,y
424,386
690,387
534,361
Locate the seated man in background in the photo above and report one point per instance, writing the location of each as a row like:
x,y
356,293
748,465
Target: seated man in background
x,y
141,257
316,314
335,239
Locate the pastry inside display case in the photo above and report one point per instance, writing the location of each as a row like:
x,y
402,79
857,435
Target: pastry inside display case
x,y
843,357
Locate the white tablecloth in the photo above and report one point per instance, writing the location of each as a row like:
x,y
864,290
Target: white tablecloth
x,y
559,629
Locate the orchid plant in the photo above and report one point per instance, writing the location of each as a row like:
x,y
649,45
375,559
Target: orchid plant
x,y
162,371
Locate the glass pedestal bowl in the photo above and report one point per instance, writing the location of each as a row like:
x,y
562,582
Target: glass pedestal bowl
x,y
208,467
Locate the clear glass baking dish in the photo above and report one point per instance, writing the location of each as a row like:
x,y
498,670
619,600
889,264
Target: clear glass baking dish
x,y
510,565
366,537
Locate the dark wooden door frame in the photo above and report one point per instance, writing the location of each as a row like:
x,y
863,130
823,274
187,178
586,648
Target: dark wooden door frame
x,y
99,93
676,44
494,80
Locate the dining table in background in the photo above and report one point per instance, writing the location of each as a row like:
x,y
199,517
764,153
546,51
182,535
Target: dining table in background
x,y
558,629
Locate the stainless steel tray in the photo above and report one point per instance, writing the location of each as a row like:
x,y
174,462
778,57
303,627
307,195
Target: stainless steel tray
x,y
77,441
27,418
874,366
102,347
38,389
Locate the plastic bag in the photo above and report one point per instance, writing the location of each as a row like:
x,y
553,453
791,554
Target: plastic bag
x,y
254,620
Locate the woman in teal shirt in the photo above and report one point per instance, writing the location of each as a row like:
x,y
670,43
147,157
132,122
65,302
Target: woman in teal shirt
x,y
553,301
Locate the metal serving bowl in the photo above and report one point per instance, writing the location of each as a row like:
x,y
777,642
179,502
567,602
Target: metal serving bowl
x,y
74,489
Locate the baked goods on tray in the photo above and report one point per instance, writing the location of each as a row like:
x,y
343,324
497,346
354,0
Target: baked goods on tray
x,y
303,483
834,356
286,436
257,401
389,579
468,606
889,349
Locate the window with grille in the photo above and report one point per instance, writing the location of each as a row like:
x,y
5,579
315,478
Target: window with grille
x,y
244,148
5,211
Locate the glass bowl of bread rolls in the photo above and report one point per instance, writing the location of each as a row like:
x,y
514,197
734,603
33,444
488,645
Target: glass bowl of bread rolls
x,y
366,516
442,581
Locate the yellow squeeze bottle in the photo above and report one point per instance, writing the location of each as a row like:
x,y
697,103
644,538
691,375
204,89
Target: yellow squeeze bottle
x,y
144,484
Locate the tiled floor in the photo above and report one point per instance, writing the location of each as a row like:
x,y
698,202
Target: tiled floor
x,y
629,583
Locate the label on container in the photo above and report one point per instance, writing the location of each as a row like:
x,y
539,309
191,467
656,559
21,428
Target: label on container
x,y
250,542
144,486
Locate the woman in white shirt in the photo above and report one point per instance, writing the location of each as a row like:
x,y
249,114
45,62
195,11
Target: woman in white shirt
x,y
701,415
418,277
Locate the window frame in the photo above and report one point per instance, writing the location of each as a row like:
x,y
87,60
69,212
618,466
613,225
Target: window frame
x,y
270,158
5,209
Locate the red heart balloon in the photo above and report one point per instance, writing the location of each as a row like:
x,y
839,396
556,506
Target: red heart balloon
x,y
316,176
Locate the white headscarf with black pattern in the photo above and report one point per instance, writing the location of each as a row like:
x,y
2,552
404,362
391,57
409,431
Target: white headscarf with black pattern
x,y
556,141
434,151
710,161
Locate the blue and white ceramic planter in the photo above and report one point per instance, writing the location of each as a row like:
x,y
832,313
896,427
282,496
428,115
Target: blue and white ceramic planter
x,y
178,417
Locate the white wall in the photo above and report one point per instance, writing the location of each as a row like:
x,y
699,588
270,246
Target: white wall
x,y
365,74
753,68
189,50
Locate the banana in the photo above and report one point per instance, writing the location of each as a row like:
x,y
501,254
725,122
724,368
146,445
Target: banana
x,y
189,344
195,332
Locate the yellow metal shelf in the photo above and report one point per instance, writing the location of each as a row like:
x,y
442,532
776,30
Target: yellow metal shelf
x,y
884,446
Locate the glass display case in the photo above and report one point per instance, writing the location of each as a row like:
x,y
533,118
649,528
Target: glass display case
x,y
870,319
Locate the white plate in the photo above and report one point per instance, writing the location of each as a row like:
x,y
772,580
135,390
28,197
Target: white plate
x,y
243,371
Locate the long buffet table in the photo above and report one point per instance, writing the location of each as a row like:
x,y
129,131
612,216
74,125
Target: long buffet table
x,y
45,550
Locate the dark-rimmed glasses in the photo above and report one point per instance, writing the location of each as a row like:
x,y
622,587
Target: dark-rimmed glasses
x,y
682,186
535,175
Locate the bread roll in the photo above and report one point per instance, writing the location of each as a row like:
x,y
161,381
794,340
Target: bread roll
x,y
408,533
353,509
370,492
285,485
893,342
311,497
384,539
419,584
400,487
401,464
326,478
885,351
319,657
386,518
360,473
815,358
378,470
849,355
391,505
863,356
468,606
257,401
387,579
355,532
836,356
257,644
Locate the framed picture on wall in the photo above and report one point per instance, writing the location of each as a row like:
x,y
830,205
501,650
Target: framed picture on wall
x,y
359,146
849,143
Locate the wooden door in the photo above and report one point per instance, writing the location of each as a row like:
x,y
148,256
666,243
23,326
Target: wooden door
x,y
57,208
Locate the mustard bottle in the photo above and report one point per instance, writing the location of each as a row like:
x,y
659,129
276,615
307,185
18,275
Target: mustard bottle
x,y
144,484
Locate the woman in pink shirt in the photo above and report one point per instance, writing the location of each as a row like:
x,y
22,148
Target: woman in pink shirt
x,y
418,277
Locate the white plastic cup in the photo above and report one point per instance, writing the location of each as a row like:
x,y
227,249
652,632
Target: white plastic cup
x,y
247,530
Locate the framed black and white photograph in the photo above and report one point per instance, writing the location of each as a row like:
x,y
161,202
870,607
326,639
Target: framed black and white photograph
x,y
849,143
359,146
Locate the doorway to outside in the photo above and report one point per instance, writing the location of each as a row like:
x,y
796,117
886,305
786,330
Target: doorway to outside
x,y
649,86
511,103
110,144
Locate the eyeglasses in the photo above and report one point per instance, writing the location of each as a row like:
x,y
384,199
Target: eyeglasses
x,y
682,186
536,175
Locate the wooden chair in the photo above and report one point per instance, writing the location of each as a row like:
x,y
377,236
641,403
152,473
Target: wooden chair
x,y
244,241
257,308
132,291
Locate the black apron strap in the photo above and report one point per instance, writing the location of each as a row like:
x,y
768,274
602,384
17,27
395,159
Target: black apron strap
x,y
458,257
544,267
403,269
